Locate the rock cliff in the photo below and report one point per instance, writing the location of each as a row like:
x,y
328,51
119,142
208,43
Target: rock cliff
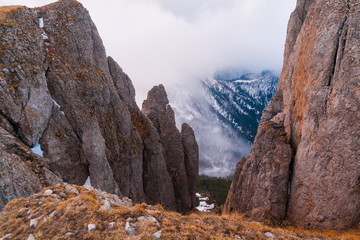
x,y
59,89
304,166
181,159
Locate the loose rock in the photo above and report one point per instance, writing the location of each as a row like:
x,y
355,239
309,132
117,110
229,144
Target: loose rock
x,y
269,235
158,234
91,227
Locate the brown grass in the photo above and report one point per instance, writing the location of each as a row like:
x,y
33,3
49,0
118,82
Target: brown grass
x,y
75,212
4,10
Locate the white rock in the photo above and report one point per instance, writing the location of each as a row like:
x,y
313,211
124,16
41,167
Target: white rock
x,y
127,201
106,206
129,219
157,234
111,224
62,194
91,227
31,237
34,222
71,189
7,236
69,234
148,218
130,230
237,237
88,187
269,235
48,192
152,212
52,214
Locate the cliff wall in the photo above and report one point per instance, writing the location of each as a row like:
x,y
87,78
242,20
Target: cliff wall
x,y
304,165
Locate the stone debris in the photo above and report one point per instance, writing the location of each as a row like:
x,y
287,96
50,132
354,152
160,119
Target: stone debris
x,y
31,237
34,222
91,227
70,188
48,192
269,235
106,205
69,234
148,218
129,229
52,214
158,234
7,236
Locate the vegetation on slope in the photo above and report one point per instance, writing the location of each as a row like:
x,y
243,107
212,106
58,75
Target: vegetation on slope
x,y
215,187
67,212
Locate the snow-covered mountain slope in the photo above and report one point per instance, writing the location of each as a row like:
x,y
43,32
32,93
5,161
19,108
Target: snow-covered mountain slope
x,y
224,112
239,101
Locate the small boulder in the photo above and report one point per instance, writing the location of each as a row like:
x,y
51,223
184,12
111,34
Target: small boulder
x,y
52,214
129,229
91,227
148,218
158,234
69,234
106,206
31,237
48,192
269,235
71,189
7,236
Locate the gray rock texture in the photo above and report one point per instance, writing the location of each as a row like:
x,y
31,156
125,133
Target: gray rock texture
x,y
22,172
319,86
58,88
156,107
191,155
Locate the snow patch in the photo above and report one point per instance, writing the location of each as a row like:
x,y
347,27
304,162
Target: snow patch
x,y
87,182
41,22
203,206
57,105
44,35
37,149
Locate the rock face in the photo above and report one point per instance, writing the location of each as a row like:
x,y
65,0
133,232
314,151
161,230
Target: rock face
x,y
318,118
22,172
58,88
175,146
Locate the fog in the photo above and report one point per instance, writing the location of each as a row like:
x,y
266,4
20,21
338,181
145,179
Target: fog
x,y
180,42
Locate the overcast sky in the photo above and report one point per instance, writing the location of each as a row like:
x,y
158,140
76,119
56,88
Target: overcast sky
x,y
179,41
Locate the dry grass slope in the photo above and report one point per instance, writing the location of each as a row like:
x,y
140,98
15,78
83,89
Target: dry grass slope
x,y
65,214
4,10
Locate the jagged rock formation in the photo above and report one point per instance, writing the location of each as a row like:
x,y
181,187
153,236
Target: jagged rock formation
x,y
181,159
60,89
317,104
